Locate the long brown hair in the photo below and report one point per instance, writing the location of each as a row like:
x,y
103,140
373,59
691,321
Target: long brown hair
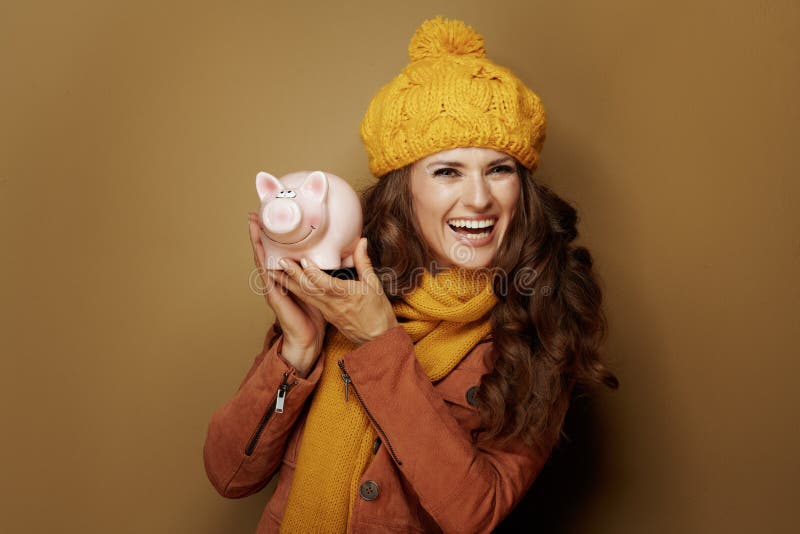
x,y
548,326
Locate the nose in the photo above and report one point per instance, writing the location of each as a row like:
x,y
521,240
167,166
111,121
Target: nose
x,y
281,216
476,193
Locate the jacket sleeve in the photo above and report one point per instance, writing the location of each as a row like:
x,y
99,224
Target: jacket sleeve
x,y
246,438
463,487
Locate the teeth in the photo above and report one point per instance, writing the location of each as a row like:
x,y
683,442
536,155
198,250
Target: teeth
x,y
475,237
464,223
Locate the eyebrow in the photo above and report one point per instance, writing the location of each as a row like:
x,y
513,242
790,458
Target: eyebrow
x,y
460,165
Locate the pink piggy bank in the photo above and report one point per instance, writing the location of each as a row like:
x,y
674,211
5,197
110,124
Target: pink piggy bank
x,y
316,215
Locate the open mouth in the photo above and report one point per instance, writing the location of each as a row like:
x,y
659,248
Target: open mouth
x,y
473,229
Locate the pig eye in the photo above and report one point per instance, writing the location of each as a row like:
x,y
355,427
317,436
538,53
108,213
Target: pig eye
x,y
286,194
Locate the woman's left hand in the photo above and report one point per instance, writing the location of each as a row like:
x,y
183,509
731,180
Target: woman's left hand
x,y
359,309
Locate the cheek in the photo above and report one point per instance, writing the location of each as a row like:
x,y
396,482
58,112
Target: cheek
x,y
508,197
424,217
429,221
435,203
422,209
431,203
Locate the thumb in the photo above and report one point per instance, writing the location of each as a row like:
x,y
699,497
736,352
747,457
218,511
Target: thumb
x,y
363,264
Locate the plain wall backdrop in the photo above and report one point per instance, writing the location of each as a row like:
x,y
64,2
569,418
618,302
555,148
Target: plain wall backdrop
x,y
130,136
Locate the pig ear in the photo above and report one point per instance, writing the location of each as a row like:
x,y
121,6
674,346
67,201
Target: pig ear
x,y
267,185
315,186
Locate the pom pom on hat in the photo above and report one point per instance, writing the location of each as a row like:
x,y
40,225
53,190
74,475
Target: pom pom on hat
x,y
437,37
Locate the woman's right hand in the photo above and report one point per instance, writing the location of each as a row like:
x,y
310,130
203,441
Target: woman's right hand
x,y
303,325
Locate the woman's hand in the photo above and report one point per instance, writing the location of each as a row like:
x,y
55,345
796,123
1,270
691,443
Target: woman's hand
x,y
359,308
303,325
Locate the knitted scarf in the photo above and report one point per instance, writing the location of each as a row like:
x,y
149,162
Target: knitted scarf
x,y
445,317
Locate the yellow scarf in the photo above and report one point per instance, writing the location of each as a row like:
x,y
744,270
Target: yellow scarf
x,y
445,317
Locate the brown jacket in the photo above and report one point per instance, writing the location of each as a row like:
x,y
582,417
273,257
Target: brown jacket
x,y
427,474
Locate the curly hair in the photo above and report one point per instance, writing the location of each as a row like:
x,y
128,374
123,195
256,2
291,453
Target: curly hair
x,y
547,329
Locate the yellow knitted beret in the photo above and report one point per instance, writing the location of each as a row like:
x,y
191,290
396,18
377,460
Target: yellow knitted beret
x,y
451,95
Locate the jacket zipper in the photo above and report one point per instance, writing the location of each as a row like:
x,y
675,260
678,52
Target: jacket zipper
x,y
347,383
276,406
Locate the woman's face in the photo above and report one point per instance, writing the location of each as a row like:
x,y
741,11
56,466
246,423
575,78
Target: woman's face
x,y
463,200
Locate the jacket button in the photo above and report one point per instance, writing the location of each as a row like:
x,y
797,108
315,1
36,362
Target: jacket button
x,y
369,490
472,396
376,444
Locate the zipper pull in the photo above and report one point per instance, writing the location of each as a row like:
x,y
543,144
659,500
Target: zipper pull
x,y
280,400
347,383
282,389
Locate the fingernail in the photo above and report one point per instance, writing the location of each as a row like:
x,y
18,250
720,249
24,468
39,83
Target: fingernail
x,y
283,263
304,263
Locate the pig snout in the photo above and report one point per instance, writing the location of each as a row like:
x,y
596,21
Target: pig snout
x,y
281,217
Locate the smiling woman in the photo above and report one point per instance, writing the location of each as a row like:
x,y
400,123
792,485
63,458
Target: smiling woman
x,y
463,201
425,396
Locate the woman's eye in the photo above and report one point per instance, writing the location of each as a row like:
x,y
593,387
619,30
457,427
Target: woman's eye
x,y
445,171
502,169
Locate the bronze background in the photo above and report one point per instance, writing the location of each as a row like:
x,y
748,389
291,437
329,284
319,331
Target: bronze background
x,y
131,135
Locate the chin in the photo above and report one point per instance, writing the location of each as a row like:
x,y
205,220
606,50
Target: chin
x,y
472,260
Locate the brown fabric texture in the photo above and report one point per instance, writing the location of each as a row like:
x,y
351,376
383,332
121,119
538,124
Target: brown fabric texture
x,y
444,483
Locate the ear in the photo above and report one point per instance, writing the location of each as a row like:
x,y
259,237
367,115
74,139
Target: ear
x,y
315,186
267,185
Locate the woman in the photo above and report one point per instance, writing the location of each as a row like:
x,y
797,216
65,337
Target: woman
x,y
427,395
